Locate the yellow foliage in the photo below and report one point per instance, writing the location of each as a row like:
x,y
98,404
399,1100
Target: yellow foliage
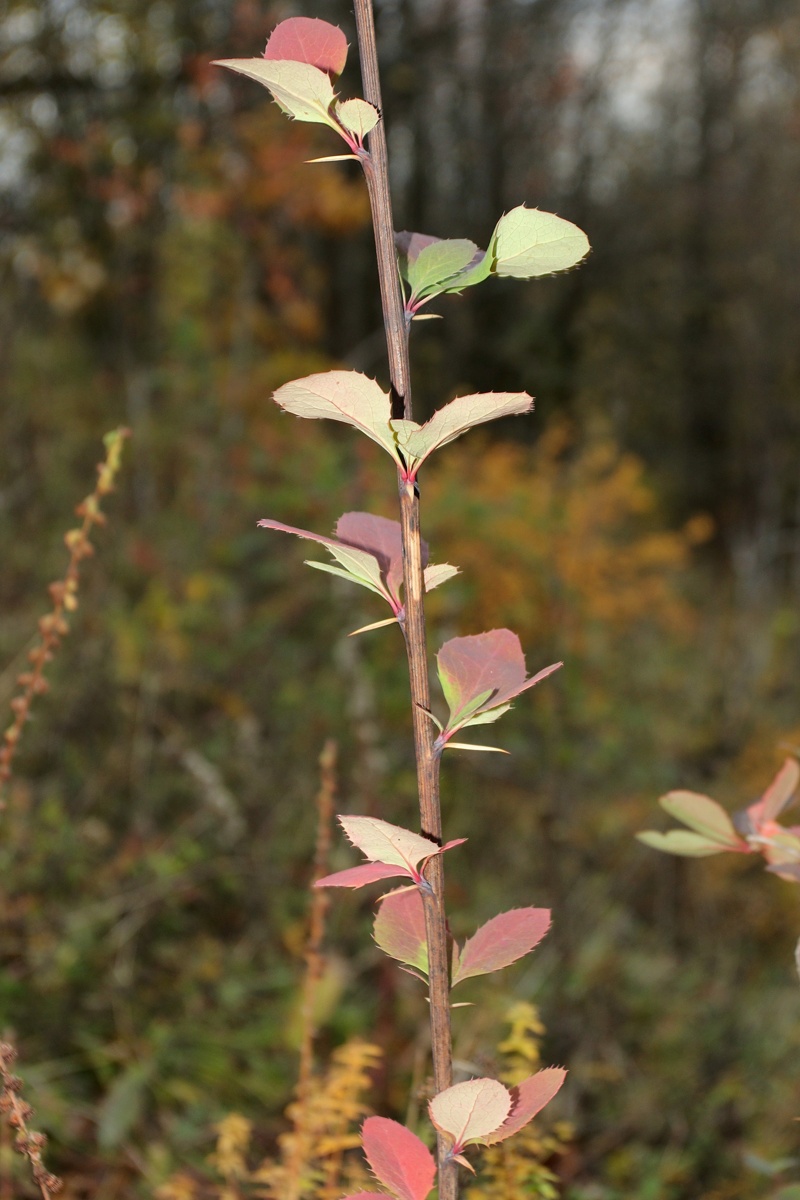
x,y
324,1126
516,1169
558,537
310,1162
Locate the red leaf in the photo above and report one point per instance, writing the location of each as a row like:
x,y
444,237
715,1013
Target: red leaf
x,y
399,1159
410,244
400,929
366,1196
382,538
529,1098
486,662
356,877
309,40
502,941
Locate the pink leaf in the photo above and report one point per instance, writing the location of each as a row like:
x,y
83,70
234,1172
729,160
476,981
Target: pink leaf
x,y
410,244
400,929
776,798
309,40
357,877
529,1098
502,941
471,667
398,1158
381,842
470,1111
381,537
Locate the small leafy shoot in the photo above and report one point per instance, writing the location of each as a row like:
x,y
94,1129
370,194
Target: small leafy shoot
x,y
369,550
301,57
525,244
480,674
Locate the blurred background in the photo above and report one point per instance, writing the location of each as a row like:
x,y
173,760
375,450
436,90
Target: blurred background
x,y
167,260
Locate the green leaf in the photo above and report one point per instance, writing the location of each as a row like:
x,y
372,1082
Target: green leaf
x,y
437,263
527,243
345,396
399,929
358,117
680,841
438,573
302,91
361,564
488,717
482,270
702,814
418,442
123,1105
342,574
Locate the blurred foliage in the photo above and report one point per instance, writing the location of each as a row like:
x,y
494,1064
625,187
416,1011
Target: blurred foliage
x,y
169,261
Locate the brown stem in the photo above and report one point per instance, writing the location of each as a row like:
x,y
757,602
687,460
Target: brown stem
x,y
377,177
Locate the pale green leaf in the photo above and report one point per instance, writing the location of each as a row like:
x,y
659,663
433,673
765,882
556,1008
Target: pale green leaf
x,y
527,243
417,442
482,270
438,573
358,117
488,717
702,814
681,842
437,263
345,396
343,574
302,91
381,842
360,563
471,1111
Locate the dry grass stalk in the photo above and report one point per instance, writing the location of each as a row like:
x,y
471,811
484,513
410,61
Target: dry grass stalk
x,y
17,1112
64,592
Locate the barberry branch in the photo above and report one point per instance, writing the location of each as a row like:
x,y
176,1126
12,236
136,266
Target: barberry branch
x,y
427,759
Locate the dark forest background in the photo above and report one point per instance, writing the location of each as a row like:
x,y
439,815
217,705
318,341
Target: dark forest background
x,y
167,260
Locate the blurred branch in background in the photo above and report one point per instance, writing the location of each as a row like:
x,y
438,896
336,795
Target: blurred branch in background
x,y
64,594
